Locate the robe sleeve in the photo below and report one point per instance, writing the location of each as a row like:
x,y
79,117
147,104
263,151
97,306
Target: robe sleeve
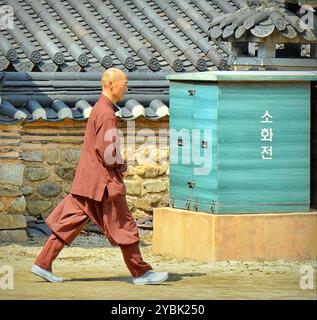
x,y
107,144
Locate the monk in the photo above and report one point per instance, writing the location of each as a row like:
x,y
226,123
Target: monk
x,y
98,192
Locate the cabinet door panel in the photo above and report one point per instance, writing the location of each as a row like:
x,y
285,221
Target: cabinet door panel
x,y
181,117
204,146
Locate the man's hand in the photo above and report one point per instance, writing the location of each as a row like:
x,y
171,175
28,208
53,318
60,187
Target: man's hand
x,y
123,169
125,174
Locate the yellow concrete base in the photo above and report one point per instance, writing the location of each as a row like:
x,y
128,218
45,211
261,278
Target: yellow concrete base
x,y
209,237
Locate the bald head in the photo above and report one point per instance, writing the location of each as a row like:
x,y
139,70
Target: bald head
x,y
114,84
112,74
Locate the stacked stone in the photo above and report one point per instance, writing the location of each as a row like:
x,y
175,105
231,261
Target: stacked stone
x,y
147,182
37,173
49,175
147,188
49,172
12,202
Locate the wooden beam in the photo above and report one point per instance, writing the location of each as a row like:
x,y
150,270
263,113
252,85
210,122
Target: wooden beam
x,y
267,49
282,63
276,37
313,51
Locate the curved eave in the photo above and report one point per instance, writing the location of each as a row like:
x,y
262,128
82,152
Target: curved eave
x,y
130,111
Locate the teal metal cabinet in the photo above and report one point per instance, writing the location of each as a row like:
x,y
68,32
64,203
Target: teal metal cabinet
x,y
240,141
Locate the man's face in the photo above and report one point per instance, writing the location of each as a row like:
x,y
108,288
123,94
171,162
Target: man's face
x,y
120,87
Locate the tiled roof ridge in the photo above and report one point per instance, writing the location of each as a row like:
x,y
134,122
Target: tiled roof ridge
x,y
121,53
98,52
72,47
199,40
196,59
90,35
53,97
261,18
150,36
43,39
143,52
139,35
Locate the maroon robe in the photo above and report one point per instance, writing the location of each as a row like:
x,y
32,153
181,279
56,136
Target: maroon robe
x,y
98,190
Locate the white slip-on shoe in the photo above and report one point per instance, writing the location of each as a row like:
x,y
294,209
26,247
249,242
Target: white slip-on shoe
x,y
49,276
151,277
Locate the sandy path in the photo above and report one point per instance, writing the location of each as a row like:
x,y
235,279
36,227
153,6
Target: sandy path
x,y
94,270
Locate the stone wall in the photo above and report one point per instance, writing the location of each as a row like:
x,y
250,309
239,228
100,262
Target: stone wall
x,y
148,175
50,153
37,172
12,201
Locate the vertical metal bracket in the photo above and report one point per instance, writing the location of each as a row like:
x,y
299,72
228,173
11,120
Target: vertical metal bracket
x,y
187,204
196,205
212,208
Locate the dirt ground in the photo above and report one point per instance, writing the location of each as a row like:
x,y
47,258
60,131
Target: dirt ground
x,y
92,269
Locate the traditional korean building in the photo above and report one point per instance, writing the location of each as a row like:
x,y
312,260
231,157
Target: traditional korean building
x,y
52,59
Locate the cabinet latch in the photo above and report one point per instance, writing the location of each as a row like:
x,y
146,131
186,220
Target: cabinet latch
x,y
191,184
192,92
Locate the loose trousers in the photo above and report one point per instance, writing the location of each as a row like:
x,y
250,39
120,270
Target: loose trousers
x,y
114,218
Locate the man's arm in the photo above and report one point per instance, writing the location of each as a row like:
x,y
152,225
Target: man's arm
x,y
107,144
122,167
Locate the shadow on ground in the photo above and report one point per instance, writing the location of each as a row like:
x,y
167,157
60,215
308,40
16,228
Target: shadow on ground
x,y
173,277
